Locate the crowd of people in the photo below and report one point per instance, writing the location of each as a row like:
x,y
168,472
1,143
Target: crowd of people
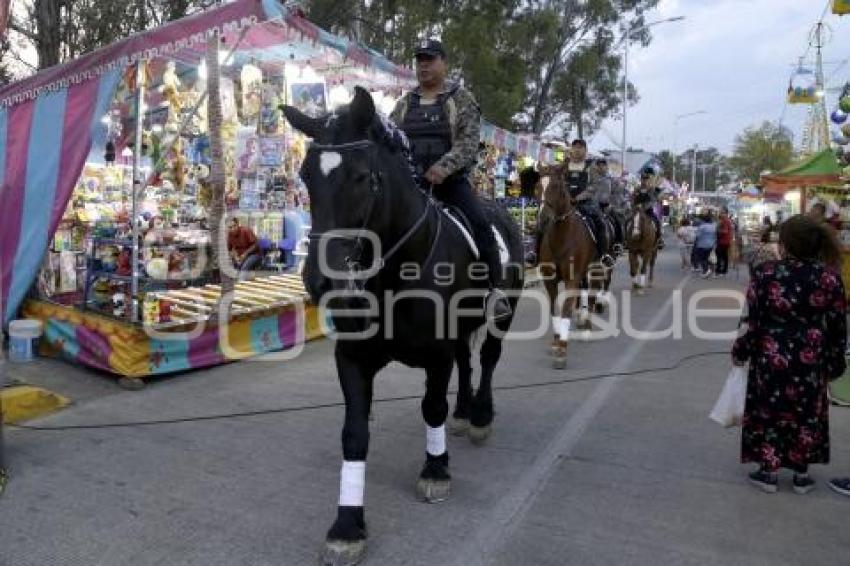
x,y
705,243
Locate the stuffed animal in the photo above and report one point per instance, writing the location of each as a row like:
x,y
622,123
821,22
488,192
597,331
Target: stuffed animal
x,y
157,268
119,305
170,90
164,311
123,264
179,166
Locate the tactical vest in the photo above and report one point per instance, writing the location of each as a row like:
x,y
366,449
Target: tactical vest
x,y
429,129
577,181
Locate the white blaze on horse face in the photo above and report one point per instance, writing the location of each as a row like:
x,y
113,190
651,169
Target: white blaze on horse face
x,y
636,225
544,182
352,484
435,440
328,161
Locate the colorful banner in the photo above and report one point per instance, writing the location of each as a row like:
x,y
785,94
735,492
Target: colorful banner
x,y
524,145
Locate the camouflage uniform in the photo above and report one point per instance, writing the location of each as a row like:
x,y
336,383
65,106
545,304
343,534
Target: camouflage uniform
x,y
465,119
429,125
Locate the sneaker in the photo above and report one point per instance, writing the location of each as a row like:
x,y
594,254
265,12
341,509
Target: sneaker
x,y
840,485
803,484
766,482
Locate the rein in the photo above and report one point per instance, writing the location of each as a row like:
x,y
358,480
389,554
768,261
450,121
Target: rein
x,y
353,263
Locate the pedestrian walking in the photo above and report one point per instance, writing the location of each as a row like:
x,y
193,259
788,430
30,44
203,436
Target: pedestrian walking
x,y
686,235
725,235
794,342
706,240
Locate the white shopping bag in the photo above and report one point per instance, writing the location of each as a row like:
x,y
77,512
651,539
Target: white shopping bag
x,y
729,409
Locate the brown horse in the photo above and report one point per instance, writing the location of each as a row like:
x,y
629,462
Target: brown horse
x,y
567,254
641,243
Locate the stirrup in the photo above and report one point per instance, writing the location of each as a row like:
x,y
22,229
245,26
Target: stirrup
x,y
499,299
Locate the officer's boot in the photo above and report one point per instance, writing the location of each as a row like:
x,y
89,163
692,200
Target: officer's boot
x,y
602,241
497,305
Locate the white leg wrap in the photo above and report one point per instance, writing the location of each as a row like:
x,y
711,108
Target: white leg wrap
x,y
636,279
352,484
643,280
556,324
584,299
565,329
435,440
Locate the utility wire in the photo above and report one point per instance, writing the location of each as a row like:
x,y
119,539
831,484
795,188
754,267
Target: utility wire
x,y
306,408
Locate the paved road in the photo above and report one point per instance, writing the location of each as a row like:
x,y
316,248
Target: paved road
x,y
621,470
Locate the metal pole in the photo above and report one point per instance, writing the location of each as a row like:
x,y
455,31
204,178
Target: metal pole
x,y
694,170
137,189
4,474
704,170
675,123
625,98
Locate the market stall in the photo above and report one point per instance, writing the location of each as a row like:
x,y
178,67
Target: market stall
x,y
818,178
118,265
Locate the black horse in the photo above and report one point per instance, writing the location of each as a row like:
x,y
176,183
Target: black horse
x,y
401,282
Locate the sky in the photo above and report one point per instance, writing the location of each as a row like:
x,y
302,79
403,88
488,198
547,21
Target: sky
x,y
732,59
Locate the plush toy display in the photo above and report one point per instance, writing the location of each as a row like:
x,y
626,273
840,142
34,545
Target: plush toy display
x,y
171,90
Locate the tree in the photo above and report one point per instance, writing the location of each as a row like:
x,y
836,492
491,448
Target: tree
x,y
59,30
559,32
768,147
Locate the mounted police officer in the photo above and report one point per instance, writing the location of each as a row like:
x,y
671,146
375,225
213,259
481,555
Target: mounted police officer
x,y
608,194
583,192
443,121
646,197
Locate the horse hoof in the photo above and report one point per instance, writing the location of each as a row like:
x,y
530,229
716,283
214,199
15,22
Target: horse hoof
x,y
433,491
478,435
342,553
560,362
635,287
599,308
641,291
458,427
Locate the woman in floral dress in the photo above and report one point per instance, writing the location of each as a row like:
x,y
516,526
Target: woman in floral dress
x,y
794,341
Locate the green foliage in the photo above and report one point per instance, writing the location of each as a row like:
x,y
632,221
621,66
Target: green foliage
x,y
768,147
539,65
59,30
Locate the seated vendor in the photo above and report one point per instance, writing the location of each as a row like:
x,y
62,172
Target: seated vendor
x,y
243,248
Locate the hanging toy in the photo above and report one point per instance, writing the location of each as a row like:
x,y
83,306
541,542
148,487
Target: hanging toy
x,y
170,91
844,104
845,129
838,117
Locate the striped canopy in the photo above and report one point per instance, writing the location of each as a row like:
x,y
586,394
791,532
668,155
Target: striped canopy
x,y
48,121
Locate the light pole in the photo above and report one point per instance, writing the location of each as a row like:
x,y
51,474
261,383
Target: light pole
x,y
694,170
675,139
629,31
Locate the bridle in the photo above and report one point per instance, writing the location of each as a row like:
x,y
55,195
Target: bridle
x,y
353,263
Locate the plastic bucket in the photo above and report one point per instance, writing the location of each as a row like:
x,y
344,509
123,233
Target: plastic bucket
x,y
23,339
